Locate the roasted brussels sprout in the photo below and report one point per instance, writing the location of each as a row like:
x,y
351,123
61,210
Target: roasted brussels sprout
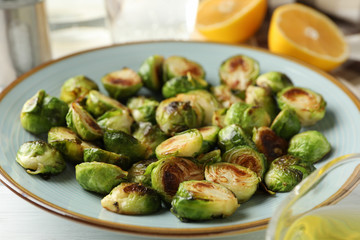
x,y
39,157
76,87
309,106
41,112
185,144
122,143
143,109
274,81
97,103
247,157
224,95
311,146
68,143
137,172
203,200
239,72
82,123
210,137
247,116
98,176
168,173
286,124
150,136
286,172
151,71
242,181
258,96
210,157
182,84
176,66
122,84
218,118
268,143
117,119
101,155
174,116
232,136
132,199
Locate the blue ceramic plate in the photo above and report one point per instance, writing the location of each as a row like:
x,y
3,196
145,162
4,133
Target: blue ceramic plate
x,y
63,195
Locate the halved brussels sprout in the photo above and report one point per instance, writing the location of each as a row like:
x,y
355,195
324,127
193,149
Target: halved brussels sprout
x,y
247,157
151,71
68,143
117,119
39,157
210,157
137,172
82,123
239,72
97,103
122,84
122,143
309,106
174,116
143,109
286,124
258,96
210,137
98,176
286,172
274,81
77,87
268,143
311,146
101,155
203,200
242,181
218,118
176,66
150,136
224,95
232,136
182,84
41,112
168,173
132,199
184,144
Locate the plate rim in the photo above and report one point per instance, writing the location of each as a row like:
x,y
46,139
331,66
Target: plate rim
x,y
22,192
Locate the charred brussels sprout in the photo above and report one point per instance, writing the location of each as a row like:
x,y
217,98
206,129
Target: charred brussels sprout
x,y
210,137
38,157
258,96
117,119
210,157
122,84
137,172
101,155
225,96
77,87
203,200
274,81
247,157
239,72
218,118
123,143
286,172
132,199
98,176
311,146
182,84
286,124
151,71
82,123
232,136
41,112
308,105
242,181
174,116
176,66
168,173
143,109
150,136
97,103
184,144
